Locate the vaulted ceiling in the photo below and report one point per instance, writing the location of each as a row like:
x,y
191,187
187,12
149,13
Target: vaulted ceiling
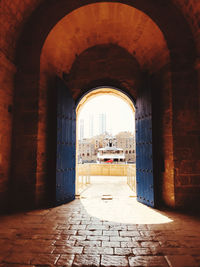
x,y
105,23
15,14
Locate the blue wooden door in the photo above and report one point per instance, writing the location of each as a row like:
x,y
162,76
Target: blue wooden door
x,y
65,146
144,148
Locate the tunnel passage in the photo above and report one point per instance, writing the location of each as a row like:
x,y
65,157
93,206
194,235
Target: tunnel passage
x,y
41,50
104,64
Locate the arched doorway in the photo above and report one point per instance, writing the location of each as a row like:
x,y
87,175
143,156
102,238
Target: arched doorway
x,y
66,145
105,131
30,76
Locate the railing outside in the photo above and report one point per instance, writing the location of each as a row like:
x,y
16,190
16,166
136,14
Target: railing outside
x,y
103,169
131,176
84,171
82,177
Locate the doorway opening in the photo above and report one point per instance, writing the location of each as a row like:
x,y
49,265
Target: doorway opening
x,y
67,141
105,145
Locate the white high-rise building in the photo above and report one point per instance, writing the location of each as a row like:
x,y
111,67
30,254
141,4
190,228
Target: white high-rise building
x,y
91,125
102,123
81,129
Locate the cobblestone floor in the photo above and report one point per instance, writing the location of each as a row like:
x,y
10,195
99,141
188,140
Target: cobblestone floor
x,y
91,231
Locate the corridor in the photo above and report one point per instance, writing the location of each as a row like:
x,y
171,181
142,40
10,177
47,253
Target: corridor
x,y
106,226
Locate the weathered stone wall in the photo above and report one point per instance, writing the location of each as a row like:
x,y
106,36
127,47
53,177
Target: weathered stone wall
x,y
186,122
186,130
13,16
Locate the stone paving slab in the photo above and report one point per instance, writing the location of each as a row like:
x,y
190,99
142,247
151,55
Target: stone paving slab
x,y
114,261
81,233
87,260
155,261
181,261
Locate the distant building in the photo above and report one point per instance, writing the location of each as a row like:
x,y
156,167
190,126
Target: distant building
x,y
91,125
110,153
102,123
126,141
81,129
89,148
86,151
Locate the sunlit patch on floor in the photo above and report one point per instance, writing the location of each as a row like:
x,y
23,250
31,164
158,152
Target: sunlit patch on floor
x,y
123,210
119,203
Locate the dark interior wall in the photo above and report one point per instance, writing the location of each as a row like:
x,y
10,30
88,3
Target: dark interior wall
x,y
27,32
161,85
7,72
186,140
14,15
104,65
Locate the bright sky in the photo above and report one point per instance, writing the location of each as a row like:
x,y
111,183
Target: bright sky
x,y
119,115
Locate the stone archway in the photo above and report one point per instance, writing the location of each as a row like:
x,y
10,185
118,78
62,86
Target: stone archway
x,y
28,76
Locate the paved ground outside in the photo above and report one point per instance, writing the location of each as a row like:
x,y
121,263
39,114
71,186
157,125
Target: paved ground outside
x,y
105,227
114,185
